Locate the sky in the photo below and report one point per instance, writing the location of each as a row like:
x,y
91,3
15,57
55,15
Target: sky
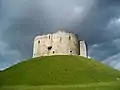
x,y
96,21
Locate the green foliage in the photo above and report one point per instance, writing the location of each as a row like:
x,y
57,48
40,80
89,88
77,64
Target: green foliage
x,y
58,70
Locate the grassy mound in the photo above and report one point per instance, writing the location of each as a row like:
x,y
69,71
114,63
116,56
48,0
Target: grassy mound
x,y
58,70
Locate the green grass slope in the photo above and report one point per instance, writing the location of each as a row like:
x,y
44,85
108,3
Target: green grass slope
x,y
58,70
99,86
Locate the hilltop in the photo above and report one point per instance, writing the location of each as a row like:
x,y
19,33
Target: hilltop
x,y
58,70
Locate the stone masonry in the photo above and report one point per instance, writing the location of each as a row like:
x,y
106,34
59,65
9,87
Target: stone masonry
x,y
59,43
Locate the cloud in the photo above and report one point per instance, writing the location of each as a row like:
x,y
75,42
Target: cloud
x,y
113,61
96,21
26,19
8,56
63,13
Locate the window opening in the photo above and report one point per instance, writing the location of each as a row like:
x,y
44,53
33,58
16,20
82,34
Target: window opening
x,y
69,37
60,39
53,52
49,36
50,47
38,42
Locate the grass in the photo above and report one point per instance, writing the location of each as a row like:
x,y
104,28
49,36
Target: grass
x,y
93,86
65,71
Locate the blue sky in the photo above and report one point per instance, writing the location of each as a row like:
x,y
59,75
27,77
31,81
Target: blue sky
x,y
96,21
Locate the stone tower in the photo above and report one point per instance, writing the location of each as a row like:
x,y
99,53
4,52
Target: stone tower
x,y
83,48
59,43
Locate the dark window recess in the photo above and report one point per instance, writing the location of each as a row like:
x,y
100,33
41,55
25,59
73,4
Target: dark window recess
x,y
38,41
60,39
53,52
49,36
50,47
69,37
70,51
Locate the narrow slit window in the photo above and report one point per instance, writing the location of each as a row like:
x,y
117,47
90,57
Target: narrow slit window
x,y
38,42
69,37
53,52
49,36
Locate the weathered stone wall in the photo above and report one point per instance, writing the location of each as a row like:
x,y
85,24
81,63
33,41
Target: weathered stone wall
x,y
83,49
59,43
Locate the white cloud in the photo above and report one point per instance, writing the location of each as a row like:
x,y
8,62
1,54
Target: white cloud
x,y
113,61
114,26
117,42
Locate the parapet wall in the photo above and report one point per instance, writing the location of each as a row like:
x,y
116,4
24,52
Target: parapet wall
x,y
59,43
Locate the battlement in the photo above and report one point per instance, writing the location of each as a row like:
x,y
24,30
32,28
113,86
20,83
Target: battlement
x,y
59,43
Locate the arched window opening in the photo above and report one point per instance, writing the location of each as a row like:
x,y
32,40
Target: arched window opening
x,y
69,37
49,36
38,42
